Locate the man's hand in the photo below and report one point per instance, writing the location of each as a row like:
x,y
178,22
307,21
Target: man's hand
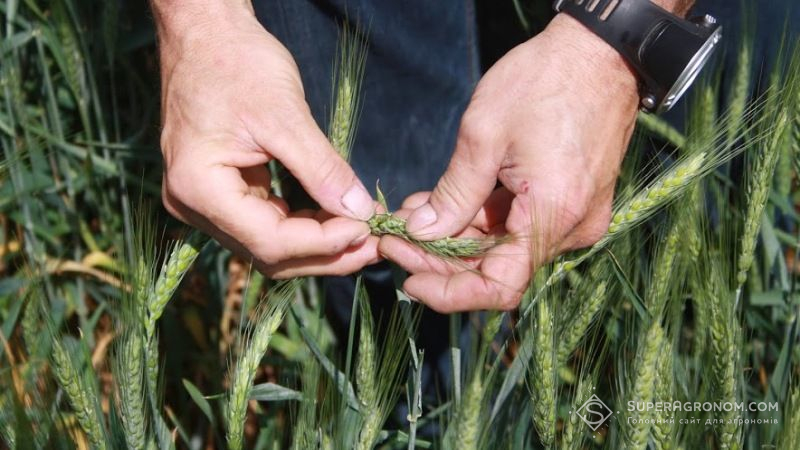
x,y
551,121
232,100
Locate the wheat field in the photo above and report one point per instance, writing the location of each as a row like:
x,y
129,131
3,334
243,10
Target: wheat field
x,y
120,328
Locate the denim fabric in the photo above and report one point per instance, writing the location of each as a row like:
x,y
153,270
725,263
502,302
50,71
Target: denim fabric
x,y
421,68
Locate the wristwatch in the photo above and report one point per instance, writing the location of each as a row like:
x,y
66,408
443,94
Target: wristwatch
x,y
666,51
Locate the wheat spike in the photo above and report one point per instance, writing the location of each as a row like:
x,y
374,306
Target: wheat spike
x,y
790,435
663,270
641,206
571,439
391,225
724,332
759,189
130,378
81,397
366,382
663,434
661,128
467,431
180,259
266,321
643,384
543,375
740,92
349,74
573,330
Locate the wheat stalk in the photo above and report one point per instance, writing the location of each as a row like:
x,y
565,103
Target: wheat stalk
x,y
81,397
254,345
795,139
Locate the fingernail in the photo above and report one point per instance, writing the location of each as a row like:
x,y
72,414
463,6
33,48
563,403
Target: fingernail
x,y
424,215
359,240
358,202
411,297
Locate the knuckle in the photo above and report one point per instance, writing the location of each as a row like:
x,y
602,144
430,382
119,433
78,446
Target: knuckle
x,y
269,255
509,300
476,132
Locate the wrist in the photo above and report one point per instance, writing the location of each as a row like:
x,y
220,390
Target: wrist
x,y
179,22
606,62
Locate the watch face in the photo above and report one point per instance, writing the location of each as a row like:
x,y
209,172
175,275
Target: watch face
x,y
691,71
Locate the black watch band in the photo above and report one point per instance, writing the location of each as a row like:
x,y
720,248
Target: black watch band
x,y
666,51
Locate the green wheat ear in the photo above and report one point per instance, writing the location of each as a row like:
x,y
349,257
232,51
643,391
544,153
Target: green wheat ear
x,y
347,79
387,224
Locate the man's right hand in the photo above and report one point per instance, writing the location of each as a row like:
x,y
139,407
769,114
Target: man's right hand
x,y
232,100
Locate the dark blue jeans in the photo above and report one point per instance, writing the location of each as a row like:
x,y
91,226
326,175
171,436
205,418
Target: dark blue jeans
x,y
421,68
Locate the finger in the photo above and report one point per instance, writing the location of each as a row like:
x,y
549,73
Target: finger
x,y
416,260
465,185
347,262
492,213
504,275
305,151
223,198
416,200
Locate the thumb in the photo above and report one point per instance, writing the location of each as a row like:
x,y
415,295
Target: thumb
x,y
325,176
463,189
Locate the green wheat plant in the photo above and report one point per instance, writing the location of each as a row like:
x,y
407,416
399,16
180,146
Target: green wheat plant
x,y
120,329
254,345
82,395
